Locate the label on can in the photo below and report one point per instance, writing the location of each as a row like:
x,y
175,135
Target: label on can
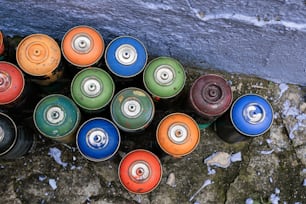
x,y
126,56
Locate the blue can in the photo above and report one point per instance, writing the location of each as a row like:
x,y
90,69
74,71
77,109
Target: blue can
x,y
98,139
126,56
251,115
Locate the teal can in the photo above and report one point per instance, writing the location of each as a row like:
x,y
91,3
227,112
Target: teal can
x,y
57,117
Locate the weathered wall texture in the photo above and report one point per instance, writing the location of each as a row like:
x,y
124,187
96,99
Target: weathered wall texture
x,y
265,38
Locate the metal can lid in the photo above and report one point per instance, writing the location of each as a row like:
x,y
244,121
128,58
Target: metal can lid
x,y
178,134
126,56
92,88
132,109
211,95
140,171
56,116
38,55
251,115
11,83
98,139
164,77
82,46
8,133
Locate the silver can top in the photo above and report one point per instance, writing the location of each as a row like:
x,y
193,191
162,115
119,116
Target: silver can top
x,y
164,75
140,171
82,43
55,115
91,87
254,113
131,108
126,54
97,138
178,133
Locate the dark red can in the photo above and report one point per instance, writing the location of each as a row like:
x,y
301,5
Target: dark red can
x,y
210,96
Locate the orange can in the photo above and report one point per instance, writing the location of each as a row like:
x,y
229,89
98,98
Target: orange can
x,y
82,46
1,44
178,134
140,171
39,56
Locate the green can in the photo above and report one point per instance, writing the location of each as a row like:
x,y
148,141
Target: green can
x,y
57,117
132,109
92,89
164,78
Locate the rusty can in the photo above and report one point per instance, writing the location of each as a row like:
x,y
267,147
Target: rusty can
x,y
15,140
40,56
251,115
82,46
2,46
140,171
132,109
178,134
209,97
57,117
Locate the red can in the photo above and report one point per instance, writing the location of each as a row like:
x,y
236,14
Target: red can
x,y
1,44
210,96
140,171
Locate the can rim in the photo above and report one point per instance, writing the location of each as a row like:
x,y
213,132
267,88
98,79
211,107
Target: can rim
x,y
157,159
82,106
23,82
196,107
191,150
125,36
139,128
251,135
34,35
83,65
72,129
16,134
145,84
104,159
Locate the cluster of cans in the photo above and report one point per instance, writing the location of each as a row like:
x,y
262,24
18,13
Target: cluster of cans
x,y
133,95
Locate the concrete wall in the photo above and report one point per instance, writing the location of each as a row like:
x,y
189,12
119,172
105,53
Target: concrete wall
x,y
262,37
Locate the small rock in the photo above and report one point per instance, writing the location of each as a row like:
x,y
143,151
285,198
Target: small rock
x,y
52,183
171,180
219,159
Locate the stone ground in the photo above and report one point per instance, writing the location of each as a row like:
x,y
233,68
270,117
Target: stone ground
x,y
272,167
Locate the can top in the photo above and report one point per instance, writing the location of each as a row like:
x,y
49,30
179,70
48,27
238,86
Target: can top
x,y
56,116
11,83
92,88
164,77
98,139
251,115
140,171
82,46
38,55
178,134
126,56
211,95
8,133
132,109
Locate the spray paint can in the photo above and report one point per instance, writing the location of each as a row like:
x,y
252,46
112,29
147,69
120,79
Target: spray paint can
x,y
40,56
140,171
57,117
164,78
132,109
126,56
82,46
15,140
92,89
209,97
2,46
98,139
250,115
178,134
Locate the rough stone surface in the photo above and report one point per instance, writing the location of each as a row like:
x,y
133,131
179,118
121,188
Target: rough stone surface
x,y
265,38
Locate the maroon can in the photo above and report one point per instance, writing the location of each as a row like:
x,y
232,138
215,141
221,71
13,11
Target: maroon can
x,y
210,96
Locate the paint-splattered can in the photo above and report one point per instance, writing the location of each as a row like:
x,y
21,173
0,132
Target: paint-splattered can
x,y
210,96
2,46
98,139
132,109
82,46
140,171
40,56
164,78
92,89
12,85
15,140
251,115
57,117
126,56
178,134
